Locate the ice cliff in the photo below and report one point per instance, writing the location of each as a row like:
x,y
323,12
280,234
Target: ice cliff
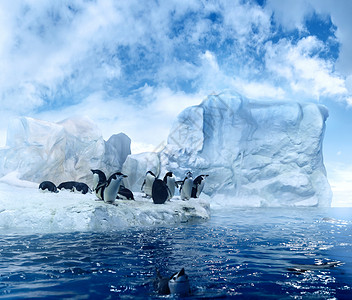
x,y
39,150
257,153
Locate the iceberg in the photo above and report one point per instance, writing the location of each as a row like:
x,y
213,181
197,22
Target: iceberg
x,y
38,150
263,153
117,148
256,153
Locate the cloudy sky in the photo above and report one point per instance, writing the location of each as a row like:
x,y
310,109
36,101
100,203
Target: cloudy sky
x,y
132,66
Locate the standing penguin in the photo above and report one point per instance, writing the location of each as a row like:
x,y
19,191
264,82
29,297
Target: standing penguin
x,y
112,186
160,191
148,184
99,180
186,186
198,185
171,183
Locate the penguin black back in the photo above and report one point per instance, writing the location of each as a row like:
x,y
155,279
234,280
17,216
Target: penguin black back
x,y
124,193
159,191
198,185
48,185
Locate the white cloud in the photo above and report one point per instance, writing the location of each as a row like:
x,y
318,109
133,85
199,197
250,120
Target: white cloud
x,y
130,63
340,12
148,125
303,69
290,14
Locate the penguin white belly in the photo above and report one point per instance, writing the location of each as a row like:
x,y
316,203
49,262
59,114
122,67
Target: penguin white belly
x,y
186,189
171,184
95,181
110,191
149,180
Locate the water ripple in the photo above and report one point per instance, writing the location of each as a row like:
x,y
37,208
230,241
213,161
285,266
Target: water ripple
x,y
241,253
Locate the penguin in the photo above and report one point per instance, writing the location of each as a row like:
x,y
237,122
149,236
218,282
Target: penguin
x,y
124,193
171,183
99,180
160,191
74,186
48,186
198,185
148,184
112,186
300,269
186,186
82,188
177,284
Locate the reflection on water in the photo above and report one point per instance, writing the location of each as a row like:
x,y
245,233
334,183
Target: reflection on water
x,y
248,253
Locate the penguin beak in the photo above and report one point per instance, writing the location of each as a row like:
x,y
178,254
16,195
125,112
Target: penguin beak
x,y
124,176
182,272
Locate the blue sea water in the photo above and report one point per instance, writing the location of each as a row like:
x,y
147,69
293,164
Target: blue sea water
x,y
243,253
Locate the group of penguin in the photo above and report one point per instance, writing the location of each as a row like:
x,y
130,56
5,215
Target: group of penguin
x,y
72,186
112,188
162,190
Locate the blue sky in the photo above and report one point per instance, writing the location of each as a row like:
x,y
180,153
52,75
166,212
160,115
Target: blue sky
x,y
132,66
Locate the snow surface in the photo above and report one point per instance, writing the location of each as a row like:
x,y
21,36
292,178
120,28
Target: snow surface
x,y
24,209
261,153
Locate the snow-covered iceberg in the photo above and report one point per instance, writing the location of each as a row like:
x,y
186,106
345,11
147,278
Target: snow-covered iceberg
x,y
259,153
264,153
24,210
39,150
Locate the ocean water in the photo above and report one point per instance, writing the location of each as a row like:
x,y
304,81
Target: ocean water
x,y
243,253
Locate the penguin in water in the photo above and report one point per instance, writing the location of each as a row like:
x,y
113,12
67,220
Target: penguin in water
x,y
148,184
186,186
111,188
177,284
171,183
160,192
99,180
124,193
48,186
198,185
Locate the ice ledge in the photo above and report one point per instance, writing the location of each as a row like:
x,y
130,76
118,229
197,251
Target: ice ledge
x,y
26,210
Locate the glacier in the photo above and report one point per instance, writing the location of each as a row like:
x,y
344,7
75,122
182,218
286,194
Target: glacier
x,y
256,153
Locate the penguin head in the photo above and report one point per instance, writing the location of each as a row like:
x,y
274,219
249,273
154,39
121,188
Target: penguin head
x,y
189,174
117,176
151,173
179,283
168,174
100,174
203,176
